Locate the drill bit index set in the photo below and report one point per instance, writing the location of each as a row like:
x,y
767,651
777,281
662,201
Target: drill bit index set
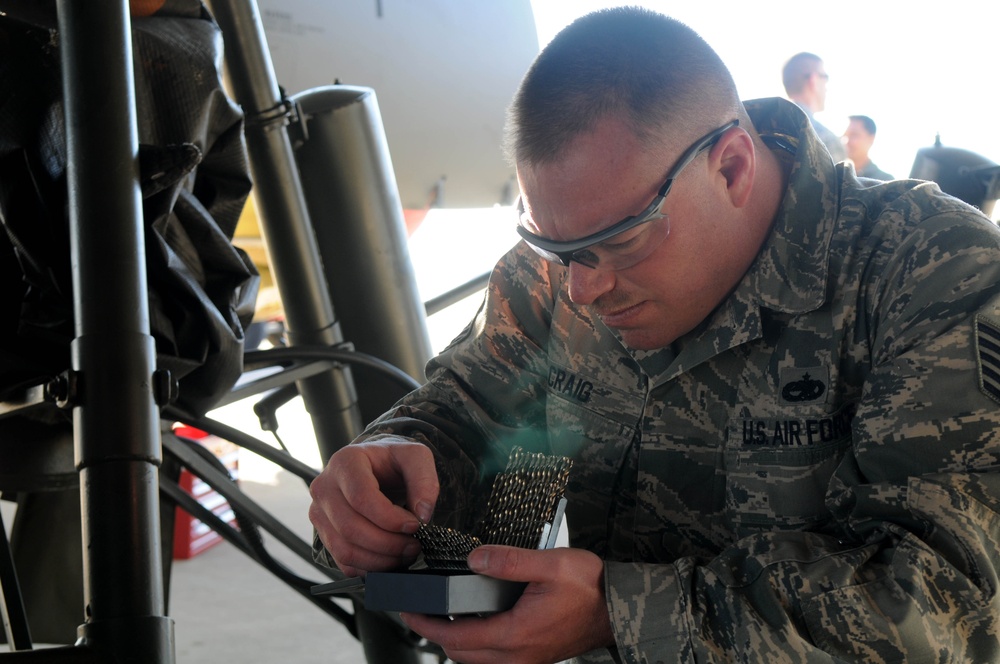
x,y
525,508
522,510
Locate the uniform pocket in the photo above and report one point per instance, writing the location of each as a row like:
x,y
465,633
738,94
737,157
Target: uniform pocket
x,y
778,472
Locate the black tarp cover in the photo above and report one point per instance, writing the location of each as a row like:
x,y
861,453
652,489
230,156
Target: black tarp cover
x,y
194,179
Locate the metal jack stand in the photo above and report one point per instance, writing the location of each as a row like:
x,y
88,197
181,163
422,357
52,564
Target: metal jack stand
x,y
113,358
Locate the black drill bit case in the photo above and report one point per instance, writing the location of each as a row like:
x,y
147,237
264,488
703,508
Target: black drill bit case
x,y
433,592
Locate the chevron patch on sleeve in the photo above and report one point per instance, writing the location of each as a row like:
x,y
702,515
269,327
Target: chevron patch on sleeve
x,y
988,356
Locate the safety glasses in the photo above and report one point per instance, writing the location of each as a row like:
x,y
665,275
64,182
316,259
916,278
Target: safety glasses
x,y
625,243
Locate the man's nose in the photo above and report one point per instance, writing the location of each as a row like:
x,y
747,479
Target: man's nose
x,y
587,284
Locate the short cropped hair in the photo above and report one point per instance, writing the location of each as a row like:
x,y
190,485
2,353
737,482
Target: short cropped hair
x,y
797,71
865,121
652,71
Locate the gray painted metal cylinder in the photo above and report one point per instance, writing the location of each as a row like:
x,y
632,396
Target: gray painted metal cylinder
x,y
354,204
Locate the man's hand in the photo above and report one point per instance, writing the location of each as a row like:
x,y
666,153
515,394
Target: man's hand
x,y
357,500
561,614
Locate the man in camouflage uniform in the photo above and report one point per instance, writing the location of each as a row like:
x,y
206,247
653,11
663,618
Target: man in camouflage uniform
x,y
779,386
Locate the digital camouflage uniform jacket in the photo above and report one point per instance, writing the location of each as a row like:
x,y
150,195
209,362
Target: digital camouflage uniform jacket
x,y
809,476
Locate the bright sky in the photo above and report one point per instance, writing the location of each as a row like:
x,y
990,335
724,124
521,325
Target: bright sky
x,y
917,68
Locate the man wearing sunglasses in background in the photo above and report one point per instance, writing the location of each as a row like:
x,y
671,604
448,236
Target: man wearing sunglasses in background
x,y
779,386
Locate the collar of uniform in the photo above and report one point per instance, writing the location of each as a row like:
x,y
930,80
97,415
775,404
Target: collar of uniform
x,y
790,273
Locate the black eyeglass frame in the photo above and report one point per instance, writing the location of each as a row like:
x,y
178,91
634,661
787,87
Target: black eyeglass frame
x,y
564,250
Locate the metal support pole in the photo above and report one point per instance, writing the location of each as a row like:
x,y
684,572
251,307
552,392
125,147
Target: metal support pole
x,y
330,398
113,358
296,265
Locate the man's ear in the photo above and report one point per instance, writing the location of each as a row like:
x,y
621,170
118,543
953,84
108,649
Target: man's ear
x,y
734,157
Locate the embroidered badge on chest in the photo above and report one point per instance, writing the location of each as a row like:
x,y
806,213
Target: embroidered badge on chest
x,y
988,356
803,385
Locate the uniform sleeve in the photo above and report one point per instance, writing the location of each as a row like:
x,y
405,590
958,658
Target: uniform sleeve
x,y
912,572
486,392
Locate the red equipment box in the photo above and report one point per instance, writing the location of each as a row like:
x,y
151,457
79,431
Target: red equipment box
x,y
191,536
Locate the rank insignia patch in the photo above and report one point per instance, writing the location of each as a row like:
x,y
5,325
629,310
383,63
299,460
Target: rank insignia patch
x,y
988,356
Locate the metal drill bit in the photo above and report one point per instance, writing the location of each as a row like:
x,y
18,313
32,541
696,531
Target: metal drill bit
x,y
523,503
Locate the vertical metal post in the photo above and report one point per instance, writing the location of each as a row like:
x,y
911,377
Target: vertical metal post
x,y
117,444
296,265
330,398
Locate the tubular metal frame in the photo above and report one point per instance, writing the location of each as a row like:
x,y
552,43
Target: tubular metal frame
x,y
113,355
113,376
